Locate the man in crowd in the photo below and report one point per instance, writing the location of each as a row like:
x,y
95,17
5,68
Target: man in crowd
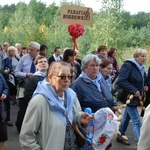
x,y
56,56
24,70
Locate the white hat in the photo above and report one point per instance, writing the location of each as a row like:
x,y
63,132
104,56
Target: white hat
x,y
105,125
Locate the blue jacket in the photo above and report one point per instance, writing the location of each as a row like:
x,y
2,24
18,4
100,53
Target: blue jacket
x,y
89,95
3,90
6,64
130,79
3,86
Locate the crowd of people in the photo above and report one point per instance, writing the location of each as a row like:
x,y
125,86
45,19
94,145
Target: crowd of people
x,y
52,93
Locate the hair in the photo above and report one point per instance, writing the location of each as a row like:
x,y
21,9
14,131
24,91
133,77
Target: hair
x,y
55,49
17,44
94,52
39,58
6,43
111,51
67,53
11,48
88,58
43,47
55,67
139,52
105,62
35,44
24,47
101,47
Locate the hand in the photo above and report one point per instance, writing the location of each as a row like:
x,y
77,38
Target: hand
x,y
112,77
86,118
146,88
5,71
137,94
3,97
115,108
29,74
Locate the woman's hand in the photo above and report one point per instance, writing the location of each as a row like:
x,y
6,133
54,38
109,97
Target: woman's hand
x,y
3,97
137,94
86,118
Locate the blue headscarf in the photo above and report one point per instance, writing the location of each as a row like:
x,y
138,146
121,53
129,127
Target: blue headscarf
x,y
95,81
45,89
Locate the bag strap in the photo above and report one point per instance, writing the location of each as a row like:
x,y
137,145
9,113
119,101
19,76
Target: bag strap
x,y
74,126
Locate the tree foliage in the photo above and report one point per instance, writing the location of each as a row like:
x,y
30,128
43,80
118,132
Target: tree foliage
x,y
111,26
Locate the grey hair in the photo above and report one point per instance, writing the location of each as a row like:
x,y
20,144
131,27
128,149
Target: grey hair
x,y
88,58
139,52
11,48
35,45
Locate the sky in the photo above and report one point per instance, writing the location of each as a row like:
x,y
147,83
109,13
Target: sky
x,y
133,6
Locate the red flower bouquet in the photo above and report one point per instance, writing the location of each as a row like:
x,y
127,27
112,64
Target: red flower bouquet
x,y
75,31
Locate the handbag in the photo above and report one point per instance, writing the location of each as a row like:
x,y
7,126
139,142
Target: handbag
x,y
118,92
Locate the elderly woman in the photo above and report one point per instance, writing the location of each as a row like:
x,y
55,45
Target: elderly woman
x,y
51,112
132,79
90,87
12,79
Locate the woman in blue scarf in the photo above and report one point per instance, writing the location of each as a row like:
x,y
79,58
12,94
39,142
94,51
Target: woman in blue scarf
x,y
132,79
51,112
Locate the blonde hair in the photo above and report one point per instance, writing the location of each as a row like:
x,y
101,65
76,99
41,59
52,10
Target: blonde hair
x,y
12,48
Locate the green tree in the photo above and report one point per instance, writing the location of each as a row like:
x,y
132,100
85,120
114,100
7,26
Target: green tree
x,y
37,8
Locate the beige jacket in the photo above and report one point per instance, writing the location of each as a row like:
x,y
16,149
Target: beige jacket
x,y
144,141
41,129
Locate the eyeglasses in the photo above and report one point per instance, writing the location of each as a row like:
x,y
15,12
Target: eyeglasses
x,y
64,77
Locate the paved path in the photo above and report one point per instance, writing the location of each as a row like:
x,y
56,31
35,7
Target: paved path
x,y
13,142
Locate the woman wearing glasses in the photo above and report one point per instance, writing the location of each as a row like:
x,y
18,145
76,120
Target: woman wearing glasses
x,y
51,112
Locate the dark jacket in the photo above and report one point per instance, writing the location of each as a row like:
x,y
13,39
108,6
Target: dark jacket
x,y
51,59
130,79
147,99
29,90
89,95
31,86
6,64
3,86
3,90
